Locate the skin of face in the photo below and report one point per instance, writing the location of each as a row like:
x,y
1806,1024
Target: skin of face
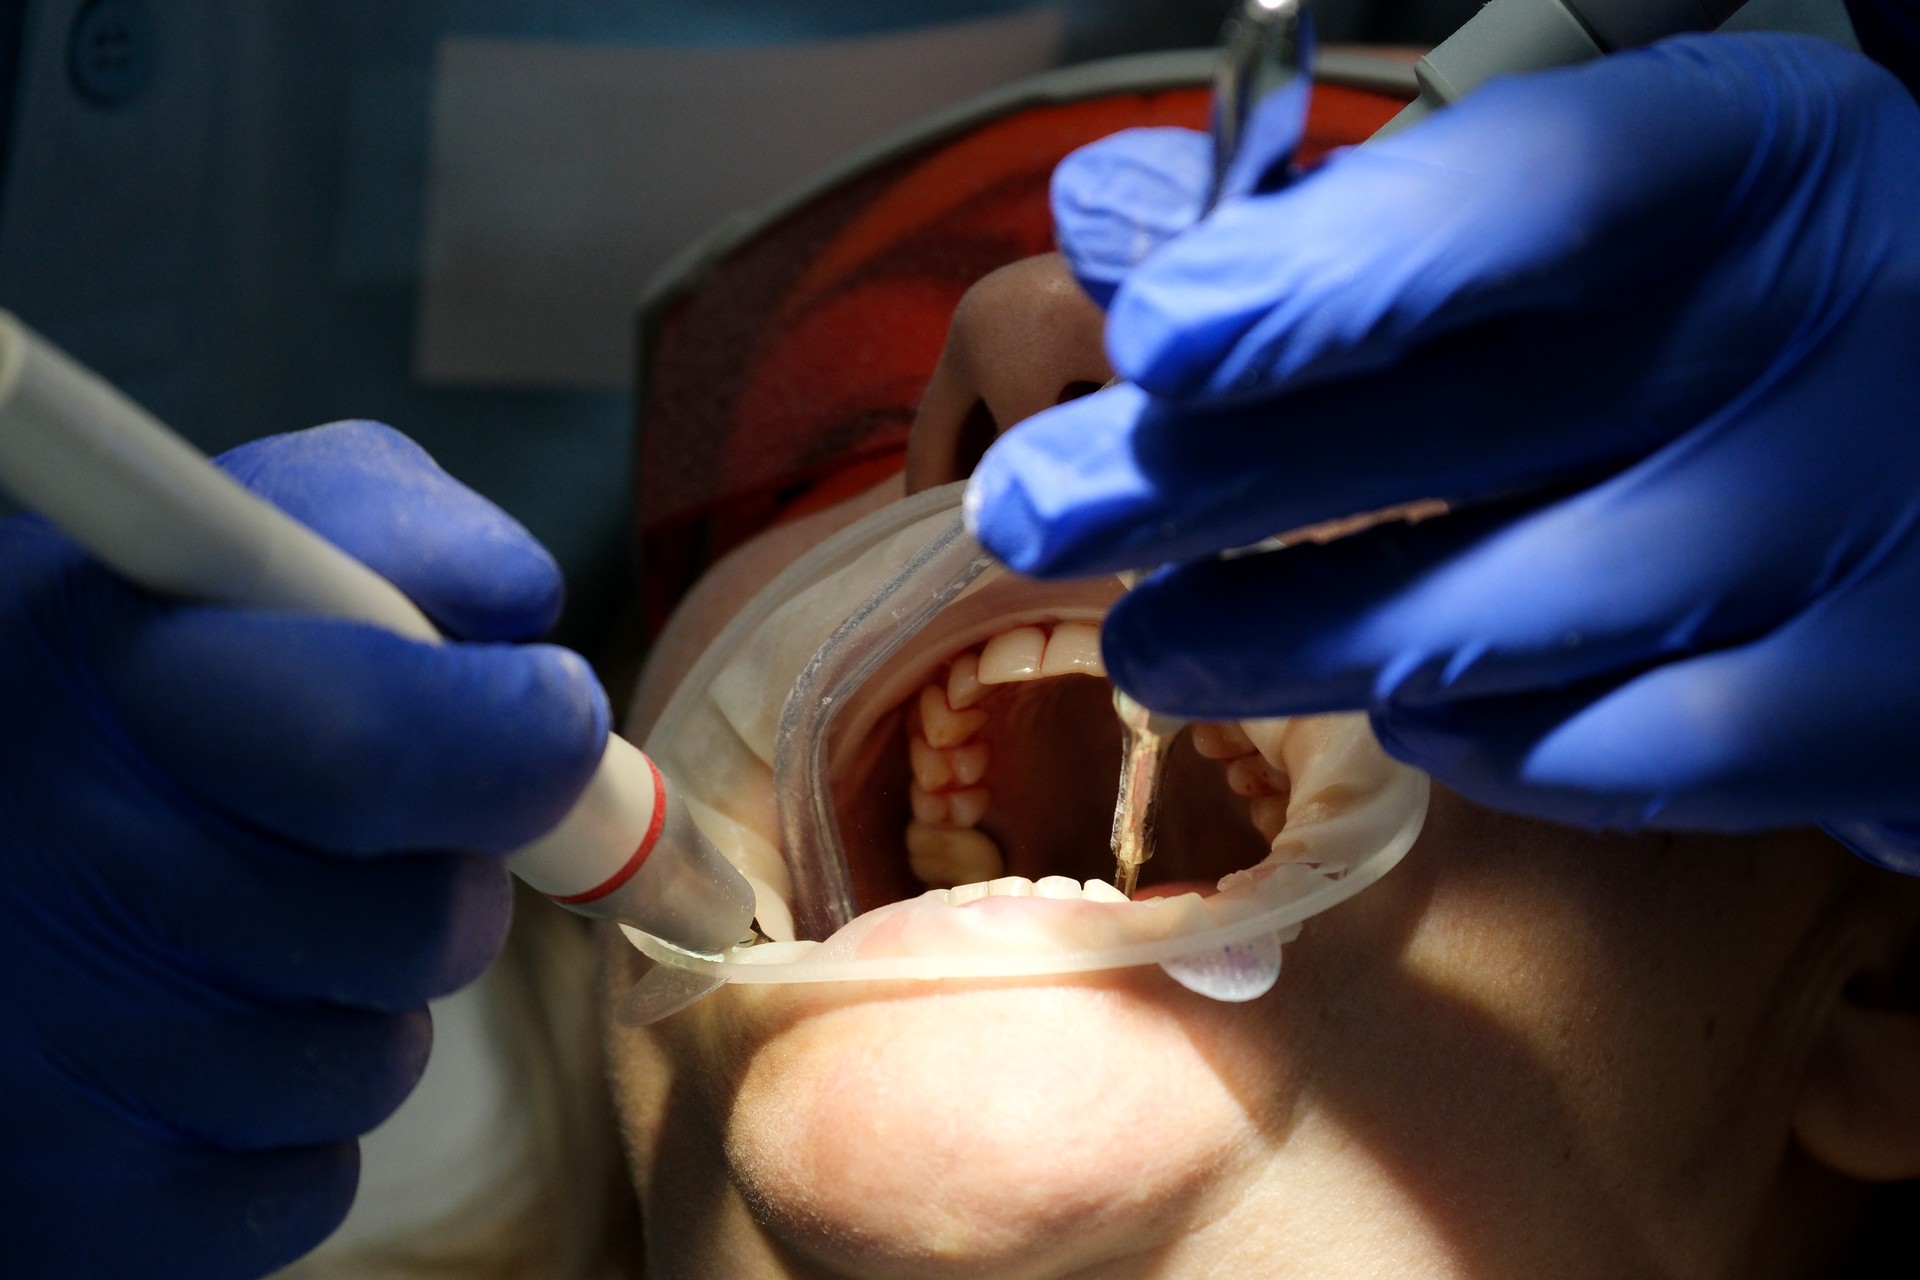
x,y
1528,1051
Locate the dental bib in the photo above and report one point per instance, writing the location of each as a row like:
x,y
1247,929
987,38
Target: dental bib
x,y
847,628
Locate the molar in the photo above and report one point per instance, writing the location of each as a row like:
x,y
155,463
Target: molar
x,y
1013,656
951,856
966,808
929,807
932,770
969,763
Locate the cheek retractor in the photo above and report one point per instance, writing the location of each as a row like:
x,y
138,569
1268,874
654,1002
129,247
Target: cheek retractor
x,y
1352,812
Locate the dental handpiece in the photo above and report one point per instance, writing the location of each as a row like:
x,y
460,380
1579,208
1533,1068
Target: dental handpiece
x,y
1266,55
157,512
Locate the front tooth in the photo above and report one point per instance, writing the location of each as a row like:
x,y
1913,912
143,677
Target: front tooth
x,y
1101,891
1013,656
948,856
1073,647
963,682
1221,741
1010,887
961,894
969,763
944,726
931,768
929,807
966,808
1062,887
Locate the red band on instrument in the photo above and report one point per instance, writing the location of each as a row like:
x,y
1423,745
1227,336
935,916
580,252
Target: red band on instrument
x,y
624,874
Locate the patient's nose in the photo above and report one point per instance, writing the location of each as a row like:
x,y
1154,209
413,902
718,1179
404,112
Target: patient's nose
x,y
1023,339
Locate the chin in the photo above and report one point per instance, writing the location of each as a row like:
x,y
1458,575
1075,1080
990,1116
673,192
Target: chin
x,y
1026,1128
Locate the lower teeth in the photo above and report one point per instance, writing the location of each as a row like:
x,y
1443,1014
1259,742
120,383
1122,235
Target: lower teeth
x,y
1060,888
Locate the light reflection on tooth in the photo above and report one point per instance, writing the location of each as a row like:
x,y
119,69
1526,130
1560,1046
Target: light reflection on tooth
x,y
929,807
1073,648
964,689
1220,741
1252,776
961,894
1010,887
931,769
1269,814
943,726
969,763
1101,891
943,856
1062,887
1013,656
966,808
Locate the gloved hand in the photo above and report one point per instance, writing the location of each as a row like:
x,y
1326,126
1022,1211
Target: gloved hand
x,y
1652,323
241,851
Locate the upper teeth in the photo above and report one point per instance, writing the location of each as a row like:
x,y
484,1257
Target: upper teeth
x,y
1013,655
948,761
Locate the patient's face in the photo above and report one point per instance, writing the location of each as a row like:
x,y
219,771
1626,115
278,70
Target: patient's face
x,y
1527,1051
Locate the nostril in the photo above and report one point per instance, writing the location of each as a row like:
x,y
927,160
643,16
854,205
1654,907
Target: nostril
x,y
1074,390
978,430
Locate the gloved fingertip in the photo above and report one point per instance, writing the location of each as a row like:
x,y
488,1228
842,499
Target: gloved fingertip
x,y
999,513
1117,200
479,915
563,728
517,592
383,499
1160,671
1893,845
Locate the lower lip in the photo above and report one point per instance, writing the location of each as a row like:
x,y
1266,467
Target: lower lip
x,y
1001,926
1173,889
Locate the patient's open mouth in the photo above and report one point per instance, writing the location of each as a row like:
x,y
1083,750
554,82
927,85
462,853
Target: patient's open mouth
x,y
996,777
916,773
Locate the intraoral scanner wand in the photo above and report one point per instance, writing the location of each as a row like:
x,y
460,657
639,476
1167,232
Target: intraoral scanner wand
x,y
152,508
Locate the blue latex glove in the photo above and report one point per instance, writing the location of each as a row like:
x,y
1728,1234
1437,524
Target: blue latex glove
x,y
242,849
1657,319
